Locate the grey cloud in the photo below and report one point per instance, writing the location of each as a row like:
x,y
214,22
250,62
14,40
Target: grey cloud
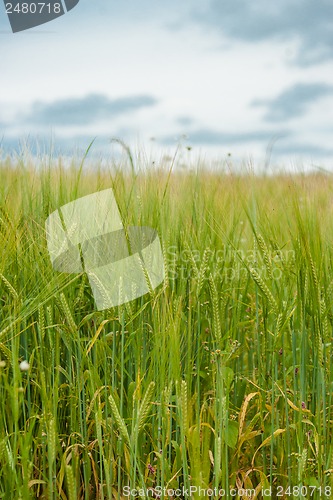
x,y
302,150
280,143
294,102
214,137
59,145
307,20
86,110
185,120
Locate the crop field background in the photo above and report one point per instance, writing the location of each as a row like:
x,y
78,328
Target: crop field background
x,y
221,378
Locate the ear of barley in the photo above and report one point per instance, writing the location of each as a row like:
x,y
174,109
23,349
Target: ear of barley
x,y
68,315
319,344
5,351
302,464
145,406
9,287
165,400
67,240
80,294
279,323
203,270
146,276
315,277
72,494
177,305
51,441
119,420
264,288
216,311
49,315
195,269
323,318
217,457
329,289
184,405
165,264
10,458
100,287
265,253
41,321
3,450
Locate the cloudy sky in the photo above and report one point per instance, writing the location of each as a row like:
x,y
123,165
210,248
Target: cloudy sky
x,y
222,77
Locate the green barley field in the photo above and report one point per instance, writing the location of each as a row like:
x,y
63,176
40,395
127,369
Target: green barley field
x,y
217,384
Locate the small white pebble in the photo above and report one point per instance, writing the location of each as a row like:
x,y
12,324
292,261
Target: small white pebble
x,y
24,366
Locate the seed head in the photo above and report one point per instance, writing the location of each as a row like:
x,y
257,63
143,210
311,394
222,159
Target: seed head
x,y
24,366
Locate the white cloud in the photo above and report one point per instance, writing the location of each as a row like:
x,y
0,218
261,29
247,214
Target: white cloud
x,y
195,69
